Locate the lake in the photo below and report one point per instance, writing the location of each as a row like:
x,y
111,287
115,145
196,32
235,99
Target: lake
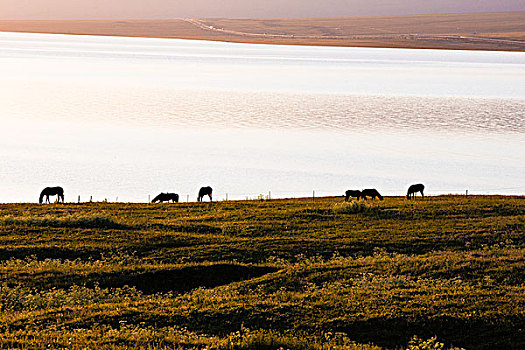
x,y
126,118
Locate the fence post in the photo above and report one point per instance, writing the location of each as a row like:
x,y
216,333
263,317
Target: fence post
x,y
313,195
269,195
187,198
226,196
466,193
79,198
149,201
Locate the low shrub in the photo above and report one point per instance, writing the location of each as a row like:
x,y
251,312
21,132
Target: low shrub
x,y
354,208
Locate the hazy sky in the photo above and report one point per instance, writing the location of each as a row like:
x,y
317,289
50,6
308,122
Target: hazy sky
x,y
57,9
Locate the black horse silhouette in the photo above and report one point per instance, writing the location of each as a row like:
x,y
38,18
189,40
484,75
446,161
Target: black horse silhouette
x,y
371,192
166,197
352,193
204,191
52,191
413,189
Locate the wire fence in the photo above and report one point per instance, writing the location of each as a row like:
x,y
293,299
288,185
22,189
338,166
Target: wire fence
x,y
313,194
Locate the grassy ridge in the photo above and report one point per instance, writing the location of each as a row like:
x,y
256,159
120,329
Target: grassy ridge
x,y
265,274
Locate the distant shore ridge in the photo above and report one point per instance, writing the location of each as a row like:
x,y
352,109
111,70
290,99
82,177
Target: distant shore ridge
x,y
497,31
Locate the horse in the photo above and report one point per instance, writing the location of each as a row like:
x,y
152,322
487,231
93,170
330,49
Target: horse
x,y
204,191
52,191
352,193
166,197
413,189
371,192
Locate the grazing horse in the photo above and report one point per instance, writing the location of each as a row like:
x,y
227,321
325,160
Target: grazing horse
x,y
166,197
371,192
52,191
413,189
351,193
204,191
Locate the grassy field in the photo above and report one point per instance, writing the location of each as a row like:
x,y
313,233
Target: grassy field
x,y
442,272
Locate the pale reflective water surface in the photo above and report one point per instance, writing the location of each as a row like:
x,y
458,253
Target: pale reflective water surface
x,y
127,117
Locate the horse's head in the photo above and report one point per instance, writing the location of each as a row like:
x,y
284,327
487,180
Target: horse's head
x,y
41,198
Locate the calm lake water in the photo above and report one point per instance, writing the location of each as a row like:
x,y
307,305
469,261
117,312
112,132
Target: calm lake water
x,y
116,117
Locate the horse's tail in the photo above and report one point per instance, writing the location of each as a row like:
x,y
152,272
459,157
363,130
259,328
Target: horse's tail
x,y
42,194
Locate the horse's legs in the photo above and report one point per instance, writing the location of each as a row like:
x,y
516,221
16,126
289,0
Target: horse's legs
x,y
422,195
211,200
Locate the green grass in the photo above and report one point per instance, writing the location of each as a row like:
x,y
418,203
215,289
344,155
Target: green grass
x,y
437,273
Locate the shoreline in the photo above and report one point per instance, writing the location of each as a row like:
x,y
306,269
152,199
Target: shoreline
x,y
479,32
280,43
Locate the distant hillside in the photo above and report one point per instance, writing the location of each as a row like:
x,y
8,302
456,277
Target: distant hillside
x,y
504,31
169,9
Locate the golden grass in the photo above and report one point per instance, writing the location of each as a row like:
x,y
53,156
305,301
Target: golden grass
x,y
295,274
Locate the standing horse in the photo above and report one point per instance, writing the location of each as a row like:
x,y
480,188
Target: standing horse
x,y
204,191
413,189
371,192
52,191
351,193
166,197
